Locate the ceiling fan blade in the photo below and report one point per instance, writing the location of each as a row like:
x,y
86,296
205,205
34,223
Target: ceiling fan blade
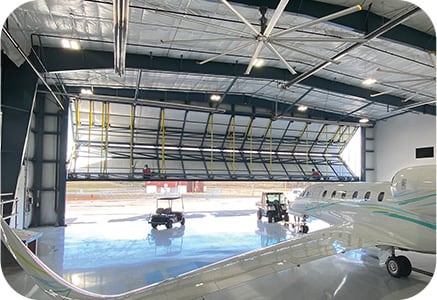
x,y
240,16
319,20
278,12
254,57
420,80
383,93
306,52
410,97
205,40
281,58
208,24
319,39
405,73
227,52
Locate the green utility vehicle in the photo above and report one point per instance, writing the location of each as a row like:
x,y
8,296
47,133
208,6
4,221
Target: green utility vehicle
x,y
274,206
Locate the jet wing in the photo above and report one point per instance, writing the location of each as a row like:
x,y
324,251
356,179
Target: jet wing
x,y
200,282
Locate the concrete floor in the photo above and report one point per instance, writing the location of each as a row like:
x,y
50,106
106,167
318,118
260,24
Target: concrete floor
x,y
109,248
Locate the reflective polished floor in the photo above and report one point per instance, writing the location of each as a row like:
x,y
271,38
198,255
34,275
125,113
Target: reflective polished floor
x,y
114,253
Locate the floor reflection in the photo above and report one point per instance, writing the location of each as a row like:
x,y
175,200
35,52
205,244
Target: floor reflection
x,y
95,255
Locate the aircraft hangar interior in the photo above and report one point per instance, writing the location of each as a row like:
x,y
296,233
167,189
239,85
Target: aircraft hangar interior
x,y
214,149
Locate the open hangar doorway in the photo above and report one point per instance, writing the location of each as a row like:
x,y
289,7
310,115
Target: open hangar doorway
x,y
266,124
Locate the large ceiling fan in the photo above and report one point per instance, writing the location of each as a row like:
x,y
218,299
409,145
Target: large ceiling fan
x,y
418,81
265,37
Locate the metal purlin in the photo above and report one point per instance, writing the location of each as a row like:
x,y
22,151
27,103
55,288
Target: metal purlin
x,y
162,131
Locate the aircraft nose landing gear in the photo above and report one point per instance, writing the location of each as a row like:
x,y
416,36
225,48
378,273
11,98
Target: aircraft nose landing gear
x,y
398,266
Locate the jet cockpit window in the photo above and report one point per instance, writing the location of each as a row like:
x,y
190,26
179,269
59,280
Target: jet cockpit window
x,y
381,196
355,195
367,196
333,194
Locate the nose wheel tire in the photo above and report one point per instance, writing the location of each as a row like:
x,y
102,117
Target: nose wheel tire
x,y
399,266
305,228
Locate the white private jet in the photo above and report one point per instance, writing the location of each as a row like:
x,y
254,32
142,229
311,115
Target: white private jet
x,y
396,215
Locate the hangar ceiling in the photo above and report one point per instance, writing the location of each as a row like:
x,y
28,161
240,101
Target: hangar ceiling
x,y
179,53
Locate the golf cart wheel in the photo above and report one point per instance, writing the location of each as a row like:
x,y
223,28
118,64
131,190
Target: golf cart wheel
x,y
154,226
270,217
305,228
169,224
183,221
259,214
286,218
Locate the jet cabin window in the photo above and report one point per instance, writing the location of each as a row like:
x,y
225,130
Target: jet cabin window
x,y
333,194
381,196
367,196
343,195
324,193
355,195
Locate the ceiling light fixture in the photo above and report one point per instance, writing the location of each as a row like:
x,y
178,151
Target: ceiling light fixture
x,y
85,91
70,44
121,21
215,98
302,108
259,62
364,121
369,81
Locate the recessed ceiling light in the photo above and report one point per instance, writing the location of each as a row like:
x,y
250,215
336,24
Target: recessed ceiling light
x,y
364,120
302,108
259,62
369,81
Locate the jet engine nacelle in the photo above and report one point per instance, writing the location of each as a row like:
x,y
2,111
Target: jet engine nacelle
x,y
414,179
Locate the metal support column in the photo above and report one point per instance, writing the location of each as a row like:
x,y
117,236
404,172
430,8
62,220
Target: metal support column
x,y
38,158
62,159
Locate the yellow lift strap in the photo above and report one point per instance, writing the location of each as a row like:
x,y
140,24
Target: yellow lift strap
x,y
90,122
